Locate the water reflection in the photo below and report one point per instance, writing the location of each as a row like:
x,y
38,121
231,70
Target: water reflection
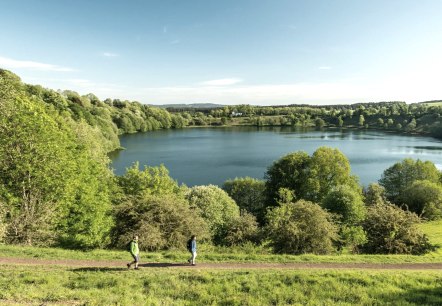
x,y
200,156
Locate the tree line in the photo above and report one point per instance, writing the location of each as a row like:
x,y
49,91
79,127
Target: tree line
x,y
56,188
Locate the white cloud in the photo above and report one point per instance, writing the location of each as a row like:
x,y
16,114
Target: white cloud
x,y
10,63
222,82
174,42
110,54
324,68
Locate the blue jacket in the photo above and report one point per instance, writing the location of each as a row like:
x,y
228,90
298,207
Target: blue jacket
x,y
193,248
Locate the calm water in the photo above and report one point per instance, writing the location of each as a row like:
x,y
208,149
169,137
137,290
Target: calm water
x,y
201,156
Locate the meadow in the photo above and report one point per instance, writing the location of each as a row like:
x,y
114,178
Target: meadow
x,y
64,285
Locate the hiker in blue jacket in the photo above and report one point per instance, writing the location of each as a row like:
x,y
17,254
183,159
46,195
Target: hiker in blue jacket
x,y
191,245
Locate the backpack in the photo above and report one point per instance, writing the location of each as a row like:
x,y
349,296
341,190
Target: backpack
x,y
129,246
189,245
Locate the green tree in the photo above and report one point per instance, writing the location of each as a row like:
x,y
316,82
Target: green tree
x,y
424,198
309,178
361,120
215,206
391,230
301,227
328,168
375,194
35,184
319,123
380,122
249,195
161,222
347,203
340,121
240,230
401,175
49,174
151,180
287,172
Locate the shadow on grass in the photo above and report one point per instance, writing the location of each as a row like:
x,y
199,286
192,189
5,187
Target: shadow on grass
x,y
98,269
427,296
163,265
143,265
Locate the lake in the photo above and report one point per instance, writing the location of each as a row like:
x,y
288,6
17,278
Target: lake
x,y
202,156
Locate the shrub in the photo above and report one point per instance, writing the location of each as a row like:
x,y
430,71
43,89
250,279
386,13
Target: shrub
x,y
424,198
161,222
309,178
214,205
347,203
240,230
391,230
301,227
402,175
375,194
151,180
248,193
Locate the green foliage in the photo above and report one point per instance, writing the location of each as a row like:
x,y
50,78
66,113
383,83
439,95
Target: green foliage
x,y
375,194
391,230
34,184
309,178
240,230
249,195
401,175
161,222
215,206
151,180
54,178
328,168
301,227
347,203
424,198
290,172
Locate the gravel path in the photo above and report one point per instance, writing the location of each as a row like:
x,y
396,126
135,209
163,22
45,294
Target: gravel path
x,y
117,265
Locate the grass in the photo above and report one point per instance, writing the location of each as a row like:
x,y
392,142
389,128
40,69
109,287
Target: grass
x,y
207,253
59,285
56,285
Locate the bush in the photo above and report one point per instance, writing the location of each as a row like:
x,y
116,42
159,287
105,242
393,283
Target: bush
x,y
309,178
240,230
160,222
151,180
248,193
402,175
347,203
391,230
375,194
301,227
215,206
424,198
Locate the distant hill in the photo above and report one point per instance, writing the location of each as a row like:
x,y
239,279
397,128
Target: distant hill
x,y
192,105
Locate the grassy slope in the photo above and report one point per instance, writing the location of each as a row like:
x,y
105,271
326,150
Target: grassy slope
x,y
22,285
59,285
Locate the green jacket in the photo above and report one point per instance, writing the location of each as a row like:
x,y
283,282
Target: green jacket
x,y
134,247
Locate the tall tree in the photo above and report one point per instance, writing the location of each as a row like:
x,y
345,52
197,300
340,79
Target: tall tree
x,y
401,175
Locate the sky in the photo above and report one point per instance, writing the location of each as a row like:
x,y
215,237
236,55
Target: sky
x,y
260,52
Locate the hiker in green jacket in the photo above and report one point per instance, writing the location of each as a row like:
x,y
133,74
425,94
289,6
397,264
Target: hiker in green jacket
x,y
135,252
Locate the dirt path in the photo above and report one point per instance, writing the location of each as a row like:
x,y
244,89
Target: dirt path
x,y
120,265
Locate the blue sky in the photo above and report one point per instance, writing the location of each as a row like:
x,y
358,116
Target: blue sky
x,y
260,52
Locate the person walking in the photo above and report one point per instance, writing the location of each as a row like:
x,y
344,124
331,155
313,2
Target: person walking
x,y
135,252
191,245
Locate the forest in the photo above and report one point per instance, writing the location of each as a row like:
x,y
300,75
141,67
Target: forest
x,y
57,188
